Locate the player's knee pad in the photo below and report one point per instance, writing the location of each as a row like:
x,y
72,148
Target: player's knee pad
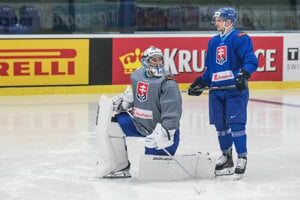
x,y
111,143
224,137
237,127
223,130
221,127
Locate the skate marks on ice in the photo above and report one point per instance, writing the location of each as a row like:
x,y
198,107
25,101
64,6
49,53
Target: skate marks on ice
x,y
39,170
214,189
131,189
232,177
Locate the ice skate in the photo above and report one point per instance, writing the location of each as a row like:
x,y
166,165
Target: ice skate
x,y
241,165
123,173
224,166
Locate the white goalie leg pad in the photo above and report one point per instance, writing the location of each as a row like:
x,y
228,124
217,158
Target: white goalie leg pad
x,y
165,168
111,143
205,167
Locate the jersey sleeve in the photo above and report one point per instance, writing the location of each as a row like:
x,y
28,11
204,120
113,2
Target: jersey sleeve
x,y
171,105
244,49
206,74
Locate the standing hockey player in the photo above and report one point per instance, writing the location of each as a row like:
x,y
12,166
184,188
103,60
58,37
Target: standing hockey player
x,y
156,106
229,60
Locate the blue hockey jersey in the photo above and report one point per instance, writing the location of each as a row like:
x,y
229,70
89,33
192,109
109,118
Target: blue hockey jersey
x,y
226,56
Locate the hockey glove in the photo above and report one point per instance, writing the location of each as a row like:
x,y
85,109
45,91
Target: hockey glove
x,y
123,102
197,84
160,138
242,80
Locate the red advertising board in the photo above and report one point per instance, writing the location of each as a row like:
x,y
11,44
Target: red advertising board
x,y
184,57
269,51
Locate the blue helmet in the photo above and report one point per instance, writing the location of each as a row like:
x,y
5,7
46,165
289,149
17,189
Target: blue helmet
x,y
226,13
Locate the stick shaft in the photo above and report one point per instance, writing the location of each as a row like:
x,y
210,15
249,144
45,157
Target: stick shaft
x,y
140,124
197,89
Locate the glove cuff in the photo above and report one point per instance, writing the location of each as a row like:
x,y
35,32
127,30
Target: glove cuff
x,y
245,73
164,132
168,132
198,82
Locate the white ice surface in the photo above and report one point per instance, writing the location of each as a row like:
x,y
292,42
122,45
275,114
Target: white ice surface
x,y
48,151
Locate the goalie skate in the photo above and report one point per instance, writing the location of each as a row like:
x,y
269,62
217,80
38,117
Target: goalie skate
x,y
124,173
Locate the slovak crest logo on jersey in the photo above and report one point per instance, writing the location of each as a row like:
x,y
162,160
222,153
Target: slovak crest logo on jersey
x,y
142,91
221,55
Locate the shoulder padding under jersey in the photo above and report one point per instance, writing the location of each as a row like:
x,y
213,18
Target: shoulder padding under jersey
x,y
241,34
170,77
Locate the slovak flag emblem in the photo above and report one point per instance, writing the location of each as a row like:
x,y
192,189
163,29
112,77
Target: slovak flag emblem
x,y
221,55
142,90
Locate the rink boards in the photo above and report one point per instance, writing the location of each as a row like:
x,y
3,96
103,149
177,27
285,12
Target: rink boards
x,y
82,64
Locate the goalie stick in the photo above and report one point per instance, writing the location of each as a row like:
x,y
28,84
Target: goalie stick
x,y
199,192
198,89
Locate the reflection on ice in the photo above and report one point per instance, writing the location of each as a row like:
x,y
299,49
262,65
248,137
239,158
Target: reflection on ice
x,y
47,151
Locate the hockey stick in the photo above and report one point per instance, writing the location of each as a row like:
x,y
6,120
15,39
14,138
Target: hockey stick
x,y
198,89
199,192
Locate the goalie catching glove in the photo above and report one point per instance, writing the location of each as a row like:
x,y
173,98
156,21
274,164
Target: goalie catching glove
x,y
123,102
160,138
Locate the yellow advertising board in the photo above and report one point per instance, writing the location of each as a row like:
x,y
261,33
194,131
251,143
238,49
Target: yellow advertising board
x,y
33,62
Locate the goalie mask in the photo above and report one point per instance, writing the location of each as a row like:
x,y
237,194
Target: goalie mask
x,y
153,62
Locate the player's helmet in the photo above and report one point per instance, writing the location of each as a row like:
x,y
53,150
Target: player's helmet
x,y
225,13
153,61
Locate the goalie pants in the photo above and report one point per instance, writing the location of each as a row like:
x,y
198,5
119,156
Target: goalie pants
x,y
130,130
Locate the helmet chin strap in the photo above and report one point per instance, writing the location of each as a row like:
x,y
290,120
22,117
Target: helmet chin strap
x,y
226,29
